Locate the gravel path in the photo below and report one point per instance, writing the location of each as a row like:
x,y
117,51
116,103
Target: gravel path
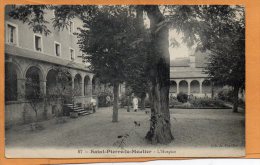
x,y
190,127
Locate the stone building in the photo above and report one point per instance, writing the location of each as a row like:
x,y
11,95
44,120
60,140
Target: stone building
x,y
187,76
32,56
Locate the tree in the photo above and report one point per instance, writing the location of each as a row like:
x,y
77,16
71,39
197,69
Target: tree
x,y
138,65
221,30
159,74
227,61
34,95
34,15
62,92
105,38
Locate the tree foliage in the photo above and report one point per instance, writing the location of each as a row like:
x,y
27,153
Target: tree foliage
x,y
34,15
105,40
219,29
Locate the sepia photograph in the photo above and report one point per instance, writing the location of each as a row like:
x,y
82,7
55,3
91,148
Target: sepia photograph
x,y
123,81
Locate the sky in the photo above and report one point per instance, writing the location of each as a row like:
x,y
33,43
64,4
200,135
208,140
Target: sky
x,y
178,51
175,52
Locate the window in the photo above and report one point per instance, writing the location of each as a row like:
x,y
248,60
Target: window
x,y
57,48
71,27
72,54
38,43
12,34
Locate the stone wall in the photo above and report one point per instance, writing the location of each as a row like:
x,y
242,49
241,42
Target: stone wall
x,y
23,113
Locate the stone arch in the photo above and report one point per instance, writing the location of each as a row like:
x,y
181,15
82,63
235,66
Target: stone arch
x,y
18,68
183,86
34,77
51,82
195,86
95,85
41,71
173,87
12,74
206,86
65,75
59,68
86,85
77,85
59,83
65,81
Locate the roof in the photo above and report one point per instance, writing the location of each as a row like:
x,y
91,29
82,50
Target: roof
x,y
187,74
25,53
180,62
201,59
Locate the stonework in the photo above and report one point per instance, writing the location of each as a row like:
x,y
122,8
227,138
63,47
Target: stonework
x,y
22,60
187,76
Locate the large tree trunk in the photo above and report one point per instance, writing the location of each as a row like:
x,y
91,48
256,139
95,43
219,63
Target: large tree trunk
x,y
235,99
160,126
115,103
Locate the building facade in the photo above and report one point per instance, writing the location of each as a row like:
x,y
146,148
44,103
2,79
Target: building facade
x,y
187,76
32,56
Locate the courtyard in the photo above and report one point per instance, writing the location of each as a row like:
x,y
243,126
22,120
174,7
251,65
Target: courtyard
x,y
58,71
195,128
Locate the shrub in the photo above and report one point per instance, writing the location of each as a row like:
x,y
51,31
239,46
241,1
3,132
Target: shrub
x,y
226,95
182,97
124,100
207,103
102,99
174,102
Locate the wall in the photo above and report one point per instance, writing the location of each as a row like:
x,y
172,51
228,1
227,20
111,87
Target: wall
x,y
67,40
22,113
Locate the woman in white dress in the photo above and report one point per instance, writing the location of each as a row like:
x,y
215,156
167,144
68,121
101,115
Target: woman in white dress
x,y
135,103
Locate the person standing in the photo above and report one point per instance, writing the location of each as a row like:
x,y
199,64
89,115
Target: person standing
x,y
135,103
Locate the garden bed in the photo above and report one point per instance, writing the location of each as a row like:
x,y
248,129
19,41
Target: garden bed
x,y
199,103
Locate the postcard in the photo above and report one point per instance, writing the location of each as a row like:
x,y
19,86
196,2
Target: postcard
x,y
84,80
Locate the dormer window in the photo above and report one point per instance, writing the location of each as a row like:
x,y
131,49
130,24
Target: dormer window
x,y
57,48
38,43
12,36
